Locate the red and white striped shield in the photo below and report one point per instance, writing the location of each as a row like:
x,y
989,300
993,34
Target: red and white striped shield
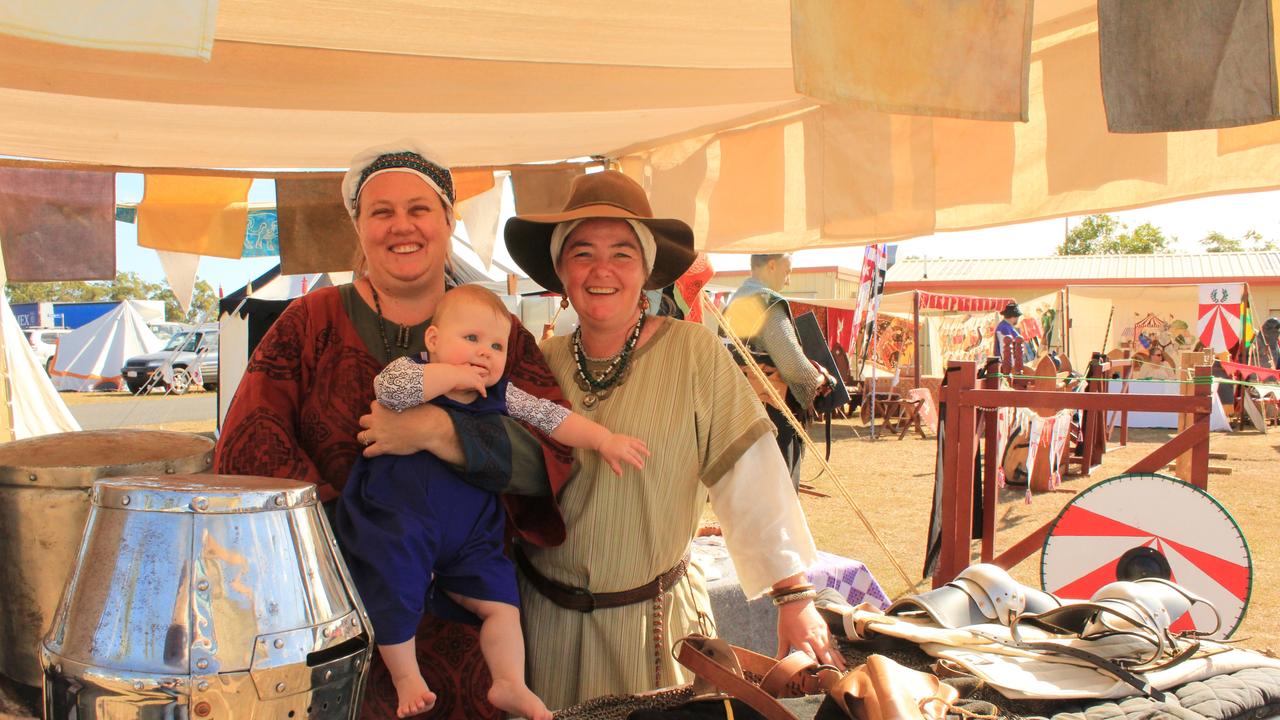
x,y
1148,525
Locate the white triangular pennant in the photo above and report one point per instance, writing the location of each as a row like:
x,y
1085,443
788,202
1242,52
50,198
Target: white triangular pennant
x,y
480,214
180,271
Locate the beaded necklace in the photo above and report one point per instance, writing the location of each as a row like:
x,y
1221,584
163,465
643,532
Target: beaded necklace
x,y
597,386
402,334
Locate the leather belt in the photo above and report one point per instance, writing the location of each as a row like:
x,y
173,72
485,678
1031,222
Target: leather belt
x,y
583,600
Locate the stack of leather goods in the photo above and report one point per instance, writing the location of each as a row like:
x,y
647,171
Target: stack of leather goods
x,y
1030,645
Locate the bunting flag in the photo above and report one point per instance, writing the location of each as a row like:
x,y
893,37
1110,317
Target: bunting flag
x,y
180,271
262,234
194,214
57,224
1219,323
480,214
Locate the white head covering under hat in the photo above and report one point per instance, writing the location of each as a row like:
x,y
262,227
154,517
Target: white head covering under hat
x,y
404,155
647,244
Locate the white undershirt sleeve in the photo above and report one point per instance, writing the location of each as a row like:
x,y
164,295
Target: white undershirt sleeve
x,y
764,526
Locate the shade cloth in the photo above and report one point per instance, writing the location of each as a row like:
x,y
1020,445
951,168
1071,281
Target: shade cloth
x,y
57,224
642,82
201,215
956,59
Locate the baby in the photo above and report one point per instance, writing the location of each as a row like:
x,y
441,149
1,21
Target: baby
x,y
415,534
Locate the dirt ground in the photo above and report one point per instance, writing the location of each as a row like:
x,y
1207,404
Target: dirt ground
x,y
891,480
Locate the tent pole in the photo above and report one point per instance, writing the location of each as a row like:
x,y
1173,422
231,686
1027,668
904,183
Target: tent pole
x,y
915,311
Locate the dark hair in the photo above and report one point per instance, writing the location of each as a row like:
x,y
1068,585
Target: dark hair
x,y
759,261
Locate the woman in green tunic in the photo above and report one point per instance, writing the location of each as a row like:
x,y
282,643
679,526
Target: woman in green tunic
x,y
602,610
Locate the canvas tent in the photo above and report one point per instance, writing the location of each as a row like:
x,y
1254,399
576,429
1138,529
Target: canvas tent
x,y
90,357
36,409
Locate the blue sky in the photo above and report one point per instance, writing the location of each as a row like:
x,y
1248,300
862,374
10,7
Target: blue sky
x,y
1188,221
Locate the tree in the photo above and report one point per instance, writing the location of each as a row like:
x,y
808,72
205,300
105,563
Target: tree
x,y
1251,241
1105,235
126,285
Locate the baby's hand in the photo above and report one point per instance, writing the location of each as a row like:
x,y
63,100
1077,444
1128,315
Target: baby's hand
x,y
618,448
446,378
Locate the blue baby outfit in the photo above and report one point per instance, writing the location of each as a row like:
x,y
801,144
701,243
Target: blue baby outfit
x,y
411,529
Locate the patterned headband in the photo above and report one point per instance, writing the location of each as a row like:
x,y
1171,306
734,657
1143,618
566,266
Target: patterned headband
x,y
438,176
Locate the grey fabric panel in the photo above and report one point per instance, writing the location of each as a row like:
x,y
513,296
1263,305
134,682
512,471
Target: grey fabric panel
x,y
1249,693
1170,65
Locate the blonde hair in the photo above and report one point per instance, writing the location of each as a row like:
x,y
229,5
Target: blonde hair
x,y
471,294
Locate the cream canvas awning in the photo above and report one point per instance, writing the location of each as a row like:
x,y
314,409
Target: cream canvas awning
x,y
696,100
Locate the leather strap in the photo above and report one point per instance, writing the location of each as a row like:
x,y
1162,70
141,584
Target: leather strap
x,y
793,676
585,601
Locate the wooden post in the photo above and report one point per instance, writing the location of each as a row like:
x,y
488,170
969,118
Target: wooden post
x,y
958,504
513,284
990,493
1186,364
915,312
1199,467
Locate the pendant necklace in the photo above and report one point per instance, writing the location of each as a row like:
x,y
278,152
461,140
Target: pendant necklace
x,y
402,334
597,386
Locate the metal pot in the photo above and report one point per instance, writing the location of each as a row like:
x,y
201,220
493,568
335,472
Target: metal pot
x,y
207,596
44,499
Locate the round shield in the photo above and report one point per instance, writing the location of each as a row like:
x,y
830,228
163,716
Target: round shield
x,y
1147,525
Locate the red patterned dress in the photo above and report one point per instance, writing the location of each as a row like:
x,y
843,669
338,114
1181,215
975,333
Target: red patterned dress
x,y
295,415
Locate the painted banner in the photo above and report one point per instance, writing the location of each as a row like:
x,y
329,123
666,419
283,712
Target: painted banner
x,y
1219,324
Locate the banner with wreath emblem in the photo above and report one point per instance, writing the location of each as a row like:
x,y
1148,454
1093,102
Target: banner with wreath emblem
x,y
1219,323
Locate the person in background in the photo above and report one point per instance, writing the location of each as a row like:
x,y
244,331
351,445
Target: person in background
x,y
1008,327
297,411
603,611
759,315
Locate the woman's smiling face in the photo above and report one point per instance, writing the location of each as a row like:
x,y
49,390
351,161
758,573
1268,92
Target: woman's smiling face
x,y
603,270
404,229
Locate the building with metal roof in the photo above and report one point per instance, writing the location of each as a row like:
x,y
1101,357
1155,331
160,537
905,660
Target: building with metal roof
x,y
1045,273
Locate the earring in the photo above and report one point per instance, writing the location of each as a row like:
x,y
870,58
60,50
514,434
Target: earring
x,y
644,303
564,303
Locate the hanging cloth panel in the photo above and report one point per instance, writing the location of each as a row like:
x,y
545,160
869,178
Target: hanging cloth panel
x,y
1174,65
954,59
194,214
57,224
316,233
165,27
542,190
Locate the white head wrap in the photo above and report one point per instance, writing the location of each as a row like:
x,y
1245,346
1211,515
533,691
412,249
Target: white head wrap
x,y
648,247
407,156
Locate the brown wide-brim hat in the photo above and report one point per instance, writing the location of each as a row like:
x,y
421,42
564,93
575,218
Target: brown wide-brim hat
x,y
608,194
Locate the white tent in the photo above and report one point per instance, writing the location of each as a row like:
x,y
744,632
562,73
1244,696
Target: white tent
x,y
90,357
36,407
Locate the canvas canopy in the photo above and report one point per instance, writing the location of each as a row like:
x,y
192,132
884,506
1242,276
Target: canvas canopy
x,y
37,410
709,120
90,357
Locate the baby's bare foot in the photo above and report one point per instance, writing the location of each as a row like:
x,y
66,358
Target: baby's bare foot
x,y
413,697
518,699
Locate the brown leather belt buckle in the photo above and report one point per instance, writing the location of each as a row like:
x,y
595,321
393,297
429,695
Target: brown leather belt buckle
x,y
578,594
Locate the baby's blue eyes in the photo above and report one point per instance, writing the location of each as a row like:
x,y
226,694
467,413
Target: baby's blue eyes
x,y
471,338
497,347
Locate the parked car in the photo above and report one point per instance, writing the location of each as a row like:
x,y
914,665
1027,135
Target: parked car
x,y
45,342
187,353
166,330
